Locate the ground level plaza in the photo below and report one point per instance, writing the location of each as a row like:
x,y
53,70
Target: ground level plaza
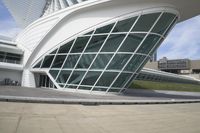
x,y
52,118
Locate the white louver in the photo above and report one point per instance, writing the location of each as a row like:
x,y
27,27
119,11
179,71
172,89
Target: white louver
x,y
27,11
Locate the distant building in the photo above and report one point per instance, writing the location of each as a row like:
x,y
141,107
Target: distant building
x,y
177,66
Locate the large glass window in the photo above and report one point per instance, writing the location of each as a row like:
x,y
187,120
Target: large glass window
x,y
119,61
124,25
132,42
65,48
145,22
80,44
47,61
135,63
85,61
58,61
90,78
101,61
163,23
71,61
106,79
148,44
113,43
96,43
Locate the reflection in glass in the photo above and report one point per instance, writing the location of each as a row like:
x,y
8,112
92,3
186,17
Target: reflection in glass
x,y
80,44
90,78
106,79
76,77
121,80
71,61
132,42
113,43
95,43
58,61
104,29
85,61
145,22
124,25
134,63
148,44
101,61
54,73
47,61
65,48
164,22
63,76
119,61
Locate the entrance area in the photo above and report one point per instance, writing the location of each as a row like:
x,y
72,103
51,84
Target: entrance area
x,y
43,81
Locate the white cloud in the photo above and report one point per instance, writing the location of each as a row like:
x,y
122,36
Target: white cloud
x,y
183,41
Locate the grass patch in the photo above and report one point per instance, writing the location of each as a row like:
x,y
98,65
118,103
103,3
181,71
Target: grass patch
x,y
165,86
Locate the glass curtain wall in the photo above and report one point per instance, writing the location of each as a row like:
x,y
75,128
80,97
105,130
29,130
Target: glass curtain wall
x,y
108,58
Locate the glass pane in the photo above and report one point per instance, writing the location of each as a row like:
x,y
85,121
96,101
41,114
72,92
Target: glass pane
x,y
71,87
85,61
113,43
54,52
47,61
119,61
124,25
95,43
89,33
101,61
76,77
169,28
99,89
84,88
54,73
65,48
114,90
91,78
80,44
38,64
155,48
132,42
148,44
106,79
63,76
145,22
135,63
121,80
105,29
61,85
131,81
143,64
163,23
58,61
71,61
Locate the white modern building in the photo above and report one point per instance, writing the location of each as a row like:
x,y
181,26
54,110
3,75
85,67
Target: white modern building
x,y
88,45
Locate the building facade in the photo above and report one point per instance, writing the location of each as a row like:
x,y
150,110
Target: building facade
x,y
92,45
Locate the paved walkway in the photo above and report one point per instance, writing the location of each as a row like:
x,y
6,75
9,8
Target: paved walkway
x,y
53,118
132,94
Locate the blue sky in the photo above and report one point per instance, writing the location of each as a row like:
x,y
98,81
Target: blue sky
x,y
182,42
